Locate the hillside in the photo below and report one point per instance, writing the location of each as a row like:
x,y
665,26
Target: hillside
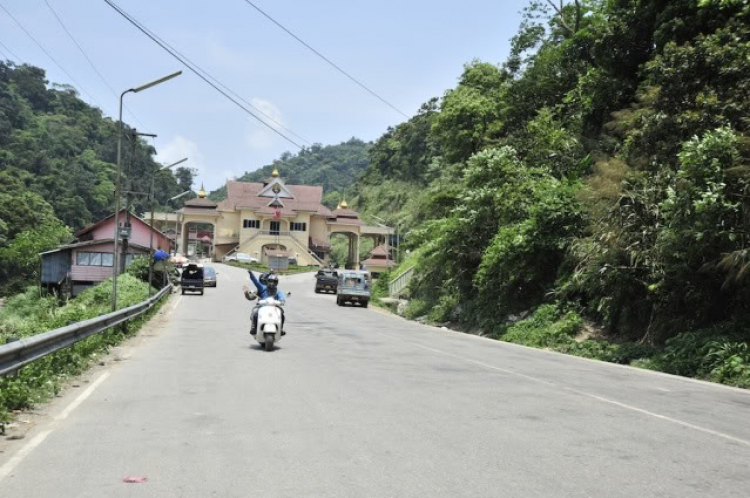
x,y
335,167
57,165
599,175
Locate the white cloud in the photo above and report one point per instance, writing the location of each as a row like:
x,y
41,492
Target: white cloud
x,y
260,137
180,147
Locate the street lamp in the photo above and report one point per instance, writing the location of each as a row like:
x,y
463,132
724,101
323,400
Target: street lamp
x,y
151,231
398,241
118,186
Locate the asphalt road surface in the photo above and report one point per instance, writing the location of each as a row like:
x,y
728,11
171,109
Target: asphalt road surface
x,y
358,403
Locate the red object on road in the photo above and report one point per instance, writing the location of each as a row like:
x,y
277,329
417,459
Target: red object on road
x,y
134,480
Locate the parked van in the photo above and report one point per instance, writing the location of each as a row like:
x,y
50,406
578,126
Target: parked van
x,y
354,287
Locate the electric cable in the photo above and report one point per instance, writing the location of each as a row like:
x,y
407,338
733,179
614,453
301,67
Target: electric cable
x,y
50,56
88,59
329,61
198,72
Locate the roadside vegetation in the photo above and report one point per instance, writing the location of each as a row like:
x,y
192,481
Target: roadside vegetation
x,y
28,314
591,194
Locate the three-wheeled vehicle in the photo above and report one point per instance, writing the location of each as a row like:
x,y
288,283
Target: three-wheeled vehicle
x,y
354,287
192,278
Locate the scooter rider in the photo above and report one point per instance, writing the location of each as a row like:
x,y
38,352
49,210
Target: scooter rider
x,y
268,290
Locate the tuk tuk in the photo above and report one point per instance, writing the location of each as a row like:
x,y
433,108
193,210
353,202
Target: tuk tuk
x,y
353,287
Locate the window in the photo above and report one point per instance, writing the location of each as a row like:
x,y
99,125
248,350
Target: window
x,y
250,223
82,259
94,258
298,227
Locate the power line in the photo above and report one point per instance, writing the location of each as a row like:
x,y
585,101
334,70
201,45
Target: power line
x,y
10,52
198,72
208,75
91,63
329,61
49,55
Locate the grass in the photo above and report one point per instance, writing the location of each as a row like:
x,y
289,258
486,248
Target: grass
x,y
28,314
719,354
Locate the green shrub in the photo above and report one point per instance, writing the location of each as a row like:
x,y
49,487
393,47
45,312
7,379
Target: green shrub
x,y
29,314
548,327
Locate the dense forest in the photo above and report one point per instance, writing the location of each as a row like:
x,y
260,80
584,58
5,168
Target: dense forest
x,y
334,167
596,184
598,176
57,168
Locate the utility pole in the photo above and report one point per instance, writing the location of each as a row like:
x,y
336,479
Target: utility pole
x,y
118,180
134,134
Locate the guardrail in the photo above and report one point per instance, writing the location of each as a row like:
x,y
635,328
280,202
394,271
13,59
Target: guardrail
x,y
24,351
401,282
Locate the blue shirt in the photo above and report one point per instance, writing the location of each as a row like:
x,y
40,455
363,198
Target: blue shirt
x,y
263,291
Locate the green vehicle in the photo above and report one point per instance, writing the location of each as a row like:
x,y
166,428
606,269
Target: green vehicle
x,y
354,287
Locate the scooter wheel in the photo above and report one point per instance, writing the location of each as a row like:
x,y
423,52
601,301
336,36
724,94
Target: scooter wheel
x,y
268,344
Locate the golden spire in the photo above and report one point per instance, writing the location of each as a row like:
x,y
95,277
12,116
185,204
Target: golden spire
x,y
202,192
343,205
275,173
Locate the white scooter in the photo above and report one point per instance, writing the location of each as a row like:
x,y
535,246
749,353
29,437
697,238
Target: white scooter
x,y
270,314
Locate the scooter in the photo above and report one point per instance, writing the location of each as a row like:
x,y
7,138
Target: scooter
x,y
269,329
270,314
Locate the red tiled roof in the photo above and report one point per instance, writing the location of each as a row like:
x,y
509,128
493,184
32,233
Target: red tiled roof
x,y
379,251
94,225
345,213
201,202
379,262
245,195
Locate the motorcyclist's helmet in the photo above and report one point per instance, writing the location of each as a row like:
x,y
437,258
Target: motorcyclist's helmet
x,y
272,282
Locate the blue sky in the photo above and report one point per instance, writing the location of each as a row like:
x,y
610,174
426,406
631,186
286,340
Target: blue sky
x,y
407,51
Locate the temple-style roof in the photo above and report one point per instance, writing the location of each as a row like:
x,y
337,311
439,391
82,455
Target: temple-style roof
x,y
201,202
379,262
244,195
379,251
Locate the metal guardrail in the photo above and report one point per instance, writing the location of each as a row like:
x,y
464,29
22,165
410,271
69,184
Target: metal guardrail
x,y
24,351
401,282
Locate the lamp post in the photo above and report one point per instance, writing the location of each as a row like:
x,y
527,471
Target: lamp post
x,y
151,231
118,180
398,241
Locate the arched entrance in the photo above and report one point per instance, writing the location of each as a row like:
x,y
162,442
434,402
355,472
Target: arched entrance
x,y
263,257
345,255
198,239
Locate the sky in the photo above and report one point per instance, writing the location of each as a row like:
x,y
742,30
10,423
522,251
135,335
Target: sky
x,y
407,51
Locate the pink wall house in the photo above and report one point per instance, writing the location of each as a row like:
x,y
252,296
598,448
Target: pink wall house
x,y
90,259
104,229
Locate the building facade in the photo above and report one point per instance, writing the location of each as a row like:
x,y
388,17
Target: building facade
x,y
89,259
258,218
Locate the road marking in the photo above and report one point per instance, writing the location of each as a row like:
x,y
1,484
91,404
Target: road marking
x,y
593,396
176,303
82,397
11,464
659,416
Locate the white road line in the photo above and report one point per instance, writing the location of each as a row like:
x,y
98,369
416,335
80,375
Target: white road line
x,y
82,397
593,396
659,416
176,303
11,464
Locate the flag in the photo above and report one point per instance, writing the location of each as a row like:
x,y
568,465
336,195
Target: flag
x,y
277,214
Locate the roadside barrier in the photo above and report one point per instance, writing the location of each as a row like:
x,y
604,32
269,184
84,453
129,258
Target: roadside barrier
x,y
21,352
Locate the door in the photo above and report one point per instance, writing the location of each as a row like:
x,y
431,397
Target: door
x,y
275,227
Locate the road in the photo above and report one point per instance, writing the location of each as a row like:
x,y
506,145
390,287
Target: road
x,y
359,403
